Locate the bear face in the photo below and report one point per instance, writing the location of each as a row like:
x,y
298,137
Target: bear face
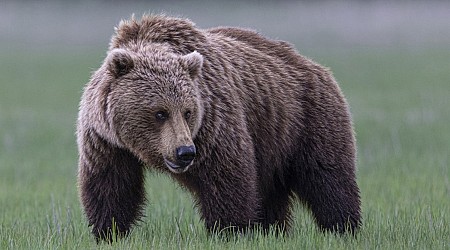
x,y
159,92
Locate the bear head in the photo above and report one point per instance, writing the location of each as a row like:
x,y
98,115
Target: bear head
x,y
154,105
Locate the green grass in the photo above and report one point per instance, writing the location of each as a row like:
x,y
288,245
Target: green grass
x,y
401,109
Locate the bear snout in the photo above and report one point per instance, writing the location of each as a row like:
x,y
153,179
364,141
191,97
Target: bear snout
x,y
185,155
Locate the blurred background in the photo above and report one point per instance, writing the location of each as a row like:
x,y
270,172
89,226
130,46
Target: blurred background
x,y
70,25
391,58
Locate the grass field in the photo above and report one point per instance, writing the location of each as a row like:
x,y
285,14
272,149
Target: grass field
x,y
401,109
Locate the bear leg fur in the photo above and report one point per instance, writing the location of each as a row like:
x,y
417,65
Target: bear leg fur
x,y
111,183
276,208
225,187
332,195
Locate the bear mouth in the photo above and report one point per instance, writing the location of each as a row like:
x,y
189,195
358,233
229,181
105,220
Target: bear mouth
x,y
175,168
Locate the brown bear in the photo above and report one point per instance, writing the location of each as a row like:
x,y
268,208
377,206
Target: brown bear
x,y
243,122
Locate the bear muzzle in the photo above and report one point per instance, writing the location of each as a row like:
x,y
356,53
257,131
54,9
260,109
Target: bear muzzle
x,y
184,157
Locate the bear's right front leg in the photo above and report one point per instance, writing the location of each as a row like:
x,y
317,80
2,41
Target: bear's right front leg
x,y
111,186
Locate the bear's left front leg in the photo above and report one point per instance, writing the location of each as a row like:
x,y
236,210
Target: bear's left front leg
x,y
226,190
228,201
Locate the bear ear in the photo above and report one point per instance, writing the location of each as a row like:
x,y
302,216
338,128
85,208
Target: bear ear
x,y
193,62
119,62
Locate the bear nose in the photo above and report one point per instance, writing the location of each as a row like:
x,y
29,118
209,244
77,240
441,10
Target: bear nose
x,y
185,155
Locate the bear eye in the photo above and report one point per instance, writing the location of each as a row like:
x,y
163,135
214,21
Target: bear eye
x,y
161,115
187,115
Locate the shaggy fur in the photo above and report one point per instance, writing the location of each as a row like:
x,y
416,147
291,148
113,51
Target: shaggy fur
x,y
267,125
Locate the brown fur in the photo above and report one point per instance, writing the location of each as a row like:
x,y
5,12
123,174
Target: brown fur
x,y
267,124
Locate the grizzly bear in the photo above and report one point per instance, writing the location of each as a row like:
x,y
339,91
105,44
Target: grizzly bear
x,y
243,122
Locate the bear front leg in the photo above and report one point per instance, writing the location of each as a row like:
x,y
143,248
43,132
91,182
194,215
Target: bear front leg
x,y
228,202
111,186
275,210
225,186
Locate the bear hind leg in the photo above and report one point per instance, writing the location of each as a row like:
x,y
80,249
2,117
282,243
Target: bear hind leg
x,y
333,197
